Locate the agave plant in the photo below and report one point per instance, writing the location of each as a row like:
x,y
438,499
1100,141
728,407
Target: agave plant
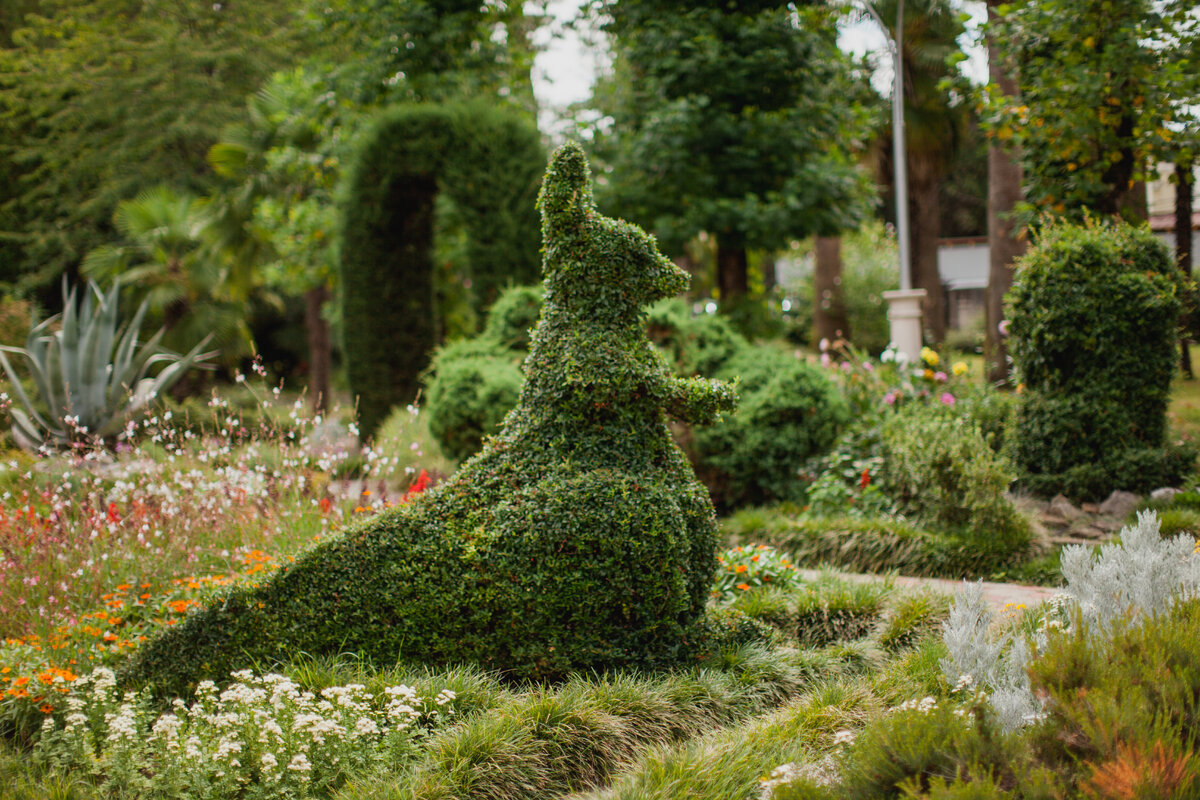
x,y
91,376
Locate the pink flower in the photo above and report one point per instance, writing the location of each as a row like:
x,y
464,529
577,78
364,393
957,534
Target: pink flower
x,y
940,377
825,360
890,398
947,399
868,366
846,366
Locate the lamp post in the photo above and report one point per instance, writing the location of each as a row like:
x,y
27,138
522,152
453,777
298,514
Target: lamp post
x,y
904,304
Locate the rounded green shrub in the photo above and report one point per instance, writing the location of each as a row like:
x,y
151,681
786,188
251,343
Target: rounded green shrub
x,y
469,397
938,468
790,412
577,539
512,317
488,161
1094,311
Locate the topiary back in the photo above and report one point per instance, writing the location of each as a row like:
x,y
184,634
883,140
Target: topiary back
x,y
1094,311
488,160
578,538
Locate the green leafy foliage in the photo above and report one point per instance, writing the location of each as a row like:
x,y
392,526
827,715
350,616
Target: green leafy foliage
x,y
745,568
469,395
577,539
487,159
91,375
938,469
1094,311
790,412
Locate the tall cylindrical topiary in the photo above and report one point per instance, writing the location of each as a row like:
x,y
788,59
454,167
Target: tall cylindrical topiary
x,y
488,161
1093,321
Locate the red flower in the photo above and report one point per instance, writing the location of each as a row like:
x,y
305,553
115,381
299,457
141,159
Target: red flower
x,y
113,516
866,478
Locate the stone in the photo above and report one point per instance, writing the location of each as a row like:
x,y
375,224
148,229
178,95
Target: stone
x,y
1053,521
1063,507
1120,504
1164,494
1090,532
1090,508
1108,524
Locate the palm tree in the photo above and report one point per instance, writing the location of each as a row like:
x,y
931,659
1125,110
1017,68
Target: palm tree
x,y
163,261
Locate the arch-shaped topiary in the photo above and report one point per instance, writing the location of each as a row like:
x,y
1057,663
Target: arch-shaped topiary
x,y
489,161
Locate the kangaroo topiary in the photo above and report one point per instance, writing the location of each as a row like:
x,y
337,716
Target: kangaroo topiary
x,y
578,538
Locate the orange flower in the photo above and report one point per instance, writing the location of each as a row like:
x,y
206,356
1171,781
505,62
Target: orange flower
x,y
743,586
21,681
47,709
740,568
754,557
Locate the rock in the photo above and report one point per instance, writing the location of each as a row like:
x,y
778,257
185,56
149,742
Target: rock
x,y
1108,524
1066,540
1053,520
1062,507
1119,504
1164,494
1090,508
1090,532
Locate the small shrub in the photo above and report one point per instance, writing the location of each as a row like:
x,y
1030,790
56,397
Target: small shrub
x,y
789,412
912,617
743,568
469,397
512,318
1094,310
938,469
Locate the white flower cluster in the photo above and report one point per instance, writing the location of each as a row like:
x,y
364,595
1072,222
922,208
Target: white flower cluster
x,y
821,773
260,730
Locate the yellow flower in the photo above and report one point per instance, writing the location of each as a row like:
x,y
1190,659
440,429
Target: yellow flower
x,y
960,368
928,374
929,356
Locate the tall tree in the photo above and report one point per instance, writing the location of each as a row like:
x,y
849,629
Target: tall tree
x,y
1097,87
118,96
1006,238
731,118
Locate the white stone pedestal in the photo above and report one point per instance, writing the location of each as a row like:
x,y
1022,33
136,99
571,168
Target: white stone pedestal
x,y
904,317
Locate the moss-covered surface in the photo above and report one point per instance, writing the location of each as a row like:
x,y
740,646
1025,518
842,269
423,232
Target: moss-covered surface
x,y
579,538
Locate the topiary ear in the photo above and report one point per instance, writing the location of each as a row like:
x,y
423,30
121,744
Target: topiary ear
x,y
566,195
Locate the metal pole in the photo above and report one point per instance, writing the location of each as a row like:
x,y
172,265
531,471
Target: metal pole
x,y
895,43
900,153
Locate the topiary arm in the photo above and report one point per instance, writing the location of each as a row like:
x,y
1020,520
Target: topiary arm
x,y
698,401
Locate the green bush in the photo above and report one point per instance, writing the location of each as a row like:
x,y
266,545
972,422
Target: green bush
x,y
579,538
790,411
938,469
1094,310
512,317
471,390
488,160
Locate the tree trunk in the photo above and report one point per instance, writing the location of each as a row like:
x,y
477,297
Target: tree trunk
x,y
732,269
1183,256
829,304
320,348
924,210
1005,242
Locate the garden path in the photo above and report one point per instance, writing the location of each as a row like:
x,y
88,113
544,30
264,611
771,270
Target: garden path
x,y
997,594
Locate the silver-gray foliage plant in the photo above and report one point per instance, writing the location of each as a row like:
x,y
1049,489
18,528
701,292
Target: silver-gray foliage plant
x,y
1142,575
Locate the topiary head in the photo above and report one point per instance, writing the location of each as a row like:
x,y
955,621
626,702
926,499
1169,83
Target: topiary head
x,y
593,264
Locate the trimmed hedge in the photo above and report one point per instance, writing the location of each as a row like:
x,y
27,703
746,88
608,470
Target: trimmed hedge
x,y
579,538
875,545
1094,311
488,160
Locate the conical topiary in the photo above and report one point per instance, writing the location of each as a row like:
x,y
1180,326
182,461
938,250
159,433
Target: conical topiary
x,y
578,538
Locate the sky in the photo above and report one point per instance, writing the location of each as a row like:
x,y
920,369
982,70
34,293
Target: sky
x,y
565,69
